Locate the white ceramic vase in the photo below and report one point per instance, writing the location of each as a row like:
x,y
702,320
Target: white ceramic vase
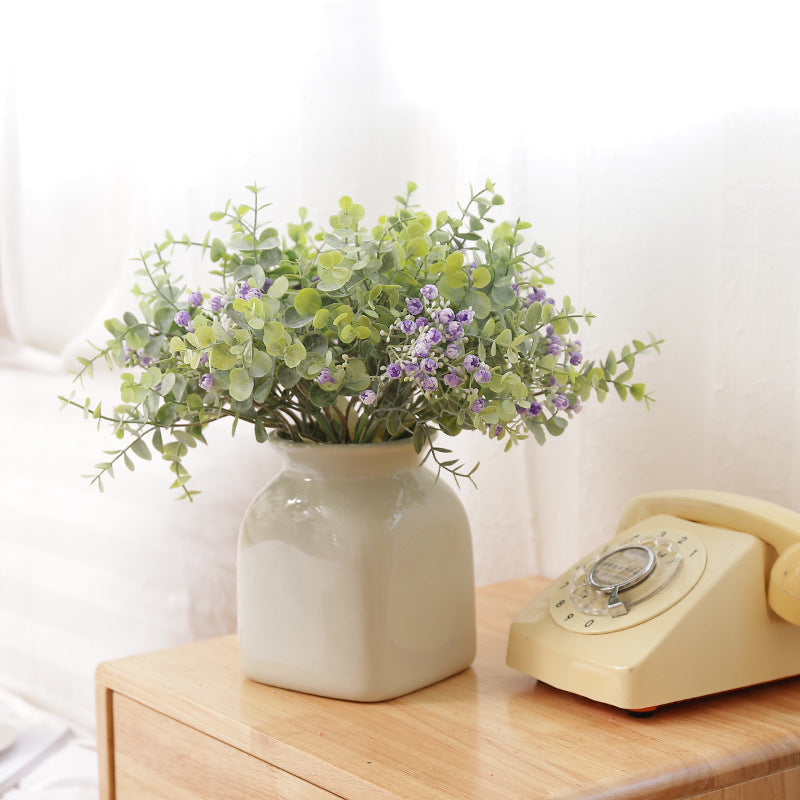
x,y
355,574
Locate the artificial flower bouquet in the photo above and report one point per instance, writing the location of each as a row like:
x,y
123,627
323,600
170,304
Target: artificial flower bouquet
x,y
352,335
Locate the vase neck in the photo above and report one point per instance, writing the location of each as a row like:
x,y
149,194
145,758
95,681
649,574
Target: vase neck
x,y
349,460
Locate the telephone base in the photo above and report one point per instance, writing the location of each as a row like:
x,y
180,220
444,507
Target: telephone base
x,y
719,636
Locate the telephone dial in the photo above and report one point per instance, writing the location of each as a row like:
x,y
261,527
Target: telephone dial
x,y
698,593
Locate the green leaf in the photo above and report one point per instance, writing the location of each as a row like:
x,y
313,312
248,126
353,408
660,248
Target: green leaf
x,y
481,277
504,295
260,431
261,364
217,249
279,288
456,279
294,354
480,303
533,315
287,377
315,343
141,449
555,425
420,437
638,391
319,397
221,357
241,387
308,301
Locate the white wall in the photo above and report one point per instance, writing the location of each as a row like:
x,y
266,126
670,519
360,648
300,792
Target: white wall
x,y
655,149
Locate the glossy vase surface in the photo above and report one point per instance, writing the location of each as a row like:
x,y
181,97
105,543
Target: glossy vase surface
x,y
355,574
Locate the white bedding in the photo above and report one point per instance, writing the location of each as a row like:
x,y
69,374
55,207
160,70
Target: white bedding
x,y
49,760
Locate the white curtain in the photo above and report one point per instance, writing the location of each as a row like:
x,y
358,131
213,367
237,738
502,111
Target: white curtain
x,y
654,147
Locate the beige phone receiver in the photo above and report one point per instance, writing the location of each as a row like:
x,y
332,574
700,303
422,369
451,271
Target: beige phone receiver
x,y
773,524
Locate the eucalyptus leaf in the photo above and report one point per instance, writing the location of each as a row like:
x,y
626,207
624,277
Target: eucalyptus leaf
x,y
241,386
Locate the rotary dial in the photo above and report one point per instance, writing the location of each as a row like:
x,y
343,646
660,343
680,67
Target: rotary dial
x,y
628,581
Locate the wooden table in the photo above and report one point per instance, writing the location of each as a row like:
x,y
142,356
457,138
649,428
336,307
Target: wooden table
x,y
184,723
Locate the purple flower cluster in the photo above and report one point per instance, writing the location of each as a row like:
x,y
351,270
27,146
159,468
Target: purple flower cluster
x,y
184,319
434,349
218,302
247,292
538,295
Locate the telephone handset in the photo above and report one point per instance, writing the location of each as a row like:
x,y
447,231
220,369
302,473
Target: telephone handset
x,y
677,605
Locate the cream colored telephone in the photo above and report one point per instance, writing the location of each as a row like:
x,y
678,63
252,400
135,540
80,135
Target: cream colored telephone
x,y
699,593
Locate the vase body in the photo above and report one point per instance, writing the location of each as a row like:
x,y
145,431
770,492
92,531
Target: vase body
x,y
355,574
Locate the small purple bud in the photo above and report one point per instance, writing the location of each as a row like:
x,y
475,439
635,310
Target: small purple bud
x,y
394,370
434,336
267,283
183,318
196,298
535,409
498,430
368,397
453,350
411,368
429,365
482,374
429,291
207,381
414,305
429,383
252,294
454,330
452,380
477,406
560,401
471,362
407,325
217,303
576,359
446,315
203,359
465,316
422,348
325,376
421,322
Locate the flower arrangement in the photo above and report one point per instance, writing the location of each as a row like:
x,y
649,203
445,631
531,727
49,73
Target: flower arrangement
x,y
353,335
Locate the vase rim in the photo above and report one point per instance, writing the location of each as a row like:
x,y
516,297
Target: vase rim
x,y
350,459
290,443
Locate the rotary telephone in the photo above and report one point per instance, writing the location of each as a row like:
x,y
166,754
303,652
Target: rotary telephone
x,y
698,593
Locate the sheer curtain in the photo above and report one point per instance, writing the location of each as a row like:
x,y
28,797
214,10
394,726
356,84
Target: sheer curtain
x,y
655,151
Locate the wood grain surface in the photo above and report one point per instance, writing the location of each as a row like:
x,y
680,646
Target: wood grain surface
x,y
488,732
